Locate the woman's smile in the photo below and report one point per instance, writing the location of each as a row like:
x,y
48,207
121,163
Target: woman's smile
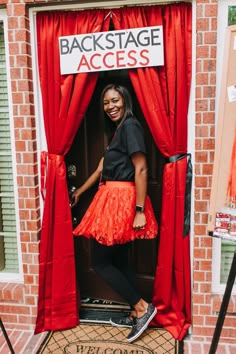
x,y
113,104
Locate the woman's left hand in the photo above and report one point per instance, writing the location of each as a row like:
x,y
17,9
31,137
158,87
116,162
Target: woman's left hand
x,y
139,221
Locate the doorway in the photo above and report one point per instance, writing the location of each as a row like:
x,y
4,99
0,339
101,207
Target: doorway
x,y
83,157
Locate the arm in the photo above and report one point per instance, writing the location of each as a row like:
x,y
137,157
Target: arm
x,y
93,178
140,179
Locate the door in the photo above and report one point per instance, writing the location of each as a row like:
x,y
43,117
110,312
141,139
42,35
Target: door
x,y
85,153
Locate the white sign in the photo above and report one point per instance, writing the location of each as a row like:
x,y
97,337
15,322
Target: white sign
x,y
231,93
112,50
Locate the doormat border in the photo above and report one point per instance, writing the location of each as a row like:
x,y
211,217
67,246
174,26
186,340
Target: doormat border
x,y
177,347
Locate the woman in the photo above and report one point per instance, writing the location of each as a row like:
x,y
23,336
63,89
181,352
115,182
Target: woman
x,y
121,211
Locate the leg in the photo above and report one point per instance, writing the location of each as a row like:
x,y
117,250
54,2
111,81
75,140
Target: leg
x,y
103,257
121,261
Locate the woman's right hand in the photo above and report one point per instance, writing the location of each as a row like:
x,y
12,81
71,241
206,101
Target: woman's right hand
x,y
87,184
75,197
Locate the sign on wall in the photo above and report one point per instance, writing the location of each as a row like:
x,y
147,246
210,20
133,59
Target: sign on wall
x,y
112,50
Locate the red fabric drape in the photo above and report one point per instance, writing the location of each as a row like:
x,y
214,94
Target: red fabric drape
x,y
163,94
65,100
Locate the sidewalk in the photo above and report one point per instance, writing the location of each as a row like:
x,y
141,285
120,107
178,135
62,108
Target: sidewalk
x,y
22,342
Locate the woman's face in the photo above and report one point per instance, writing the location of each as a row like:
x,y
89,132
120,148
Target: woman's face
x,y
113,104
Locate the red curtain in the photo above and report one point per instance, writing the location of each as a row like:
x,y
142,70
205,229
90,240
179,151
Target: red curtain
x,y
163,94
65,100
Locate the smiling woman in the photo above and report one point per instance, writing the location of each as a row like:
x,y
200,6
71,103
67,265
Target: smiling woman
x,y
121,210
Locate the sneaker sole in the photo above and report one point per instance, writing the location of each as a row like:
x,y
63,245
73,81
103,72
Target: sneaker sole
x,y
117,325
143,328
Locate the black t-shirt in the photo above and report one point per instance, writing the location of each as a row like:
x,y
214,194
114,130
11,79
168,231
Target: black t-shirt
x,y
128,139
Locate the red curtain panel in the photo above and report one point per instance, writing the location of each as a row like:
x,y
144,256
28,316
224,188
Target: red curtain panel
x,y
65,100
163,94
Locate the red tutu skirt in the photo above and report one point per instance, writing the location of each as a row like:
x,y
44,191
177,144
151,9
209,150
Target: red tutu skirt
x,y
109,217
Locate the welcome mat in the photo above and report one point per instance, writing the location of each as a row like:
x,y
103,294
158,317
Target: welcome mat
x,y
105,339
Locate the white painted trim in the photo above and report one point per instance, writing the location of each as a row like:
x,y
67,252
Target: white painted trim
x,y
17,277
40,132
109,4
222,24
191,138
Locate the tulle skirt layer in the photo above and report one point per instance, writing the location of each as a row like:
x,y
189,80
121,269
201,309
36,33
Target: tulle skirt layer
x,y
109,217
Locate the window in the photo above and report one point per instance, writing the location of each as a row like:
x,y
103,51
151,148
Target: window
x,y
232,15
8,234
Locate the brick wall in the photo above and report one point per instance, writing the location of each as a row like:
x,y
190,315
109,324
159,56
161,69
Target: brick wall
x,y
19,302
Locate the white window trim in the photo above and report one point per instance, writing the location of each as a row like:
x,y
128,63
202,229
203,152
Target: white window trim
x,y
222,24
12,277
103,4
191,133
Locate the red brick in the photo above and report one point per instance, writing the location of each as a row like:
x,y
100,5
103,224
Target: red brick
x,y
30,300
205,265
201,105
209,65
13,22
199,277
17,97
203,331
209,91
207,169
202,51
32,225
24,214
33,248
201,78
206,288
198,144
19,10
208,144
25,237
202,24
199,230
202,131
210,38
199,253
206,195
198,320
32,203
200,205
201,182
211,10
212,131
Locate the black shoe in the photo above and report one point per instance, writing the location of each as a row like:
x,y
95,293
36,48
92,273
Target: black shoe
x,y
121,321
140,324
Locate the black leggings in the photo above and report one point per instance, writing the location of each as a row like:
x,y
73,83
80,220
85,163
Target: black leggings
x,y
111,263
